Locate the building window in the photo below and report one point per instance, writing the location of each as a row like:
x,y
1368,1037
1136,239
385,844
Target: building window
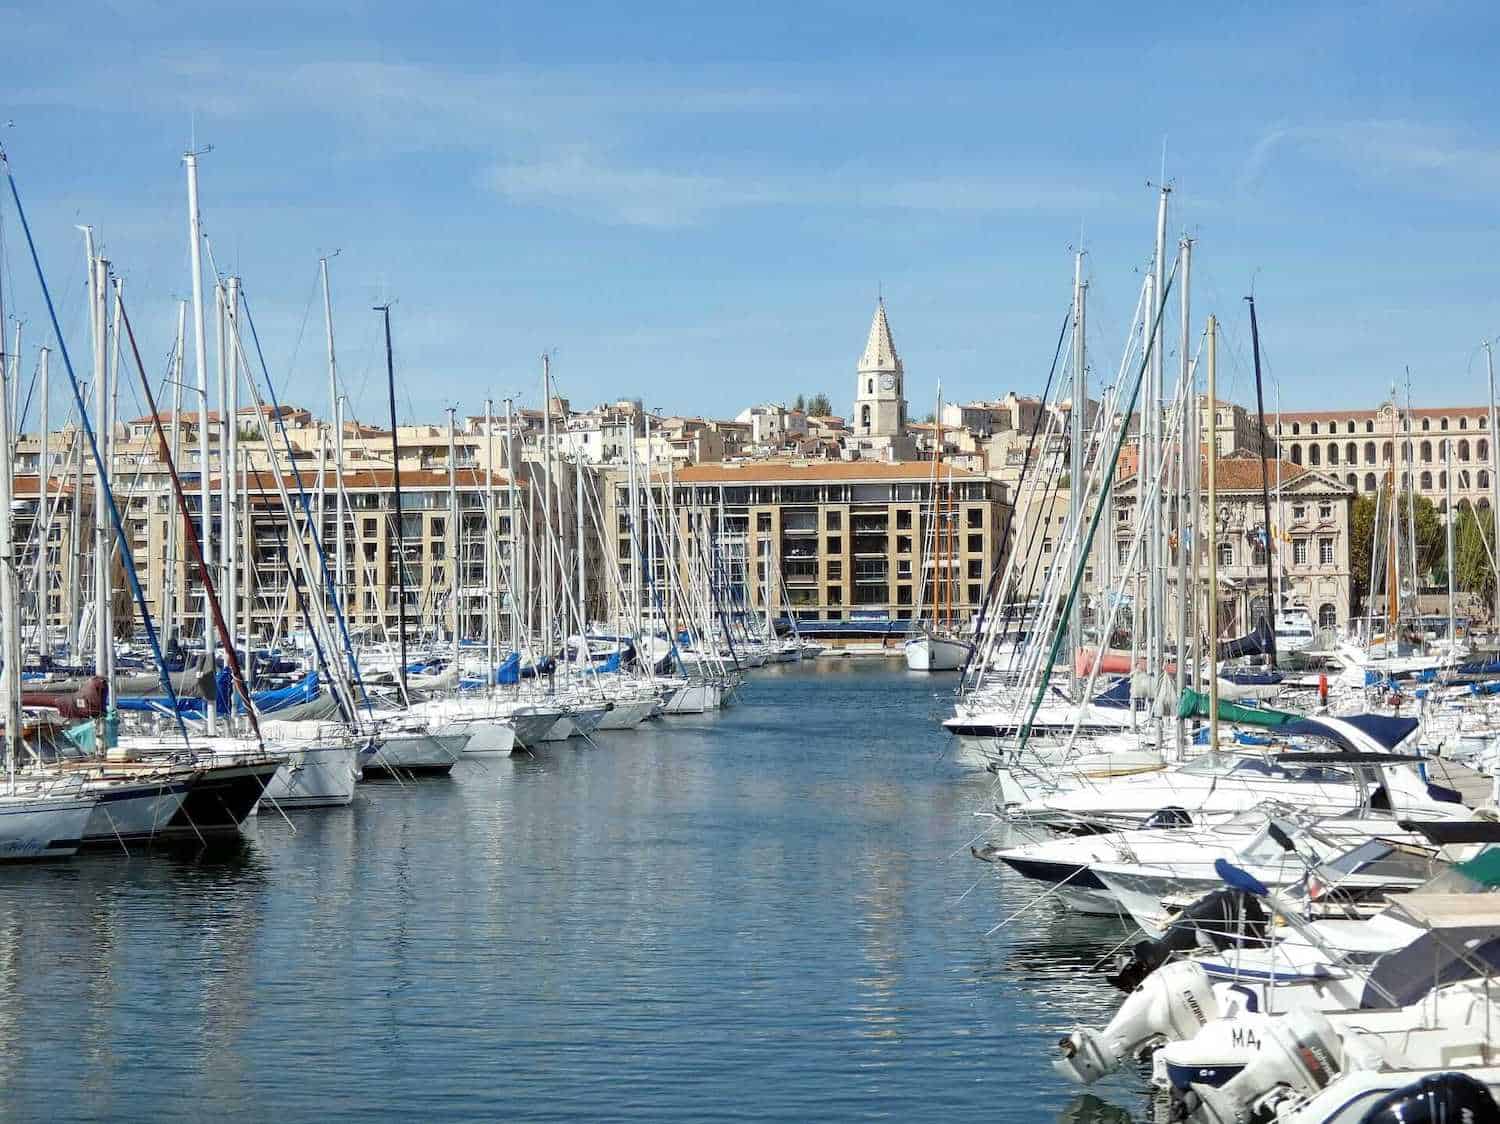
x,y
1325,551
976,518
1351,425
1463,423
1426,481
976,544
1481,450
1333,454
1046,546
1443,424
835,545
1299,512
1369,481
903,544
1296,429
1299,552
1226,554
763,521
1313,428
833,520
903,519
1328,616
864,416
1314,456
976,568
1122,552
1296,454
835,595
1484,478
903,595
1463,450
1325,511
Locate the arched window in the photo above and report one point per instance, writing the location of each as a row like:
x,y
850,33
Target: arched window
x,y
1369,427
1481,450
1443,425
1426,481
1463,423
1296,454
1333,452
1351,425
1328,616
1463,484
1314,454
1352,479
1296,428
1406,481
1443,480
1484,477
1351,453
1369,481
1369,452
1406,451
1463,450
1426,452
1426,424
870,386
1387,451
864,416
1313,428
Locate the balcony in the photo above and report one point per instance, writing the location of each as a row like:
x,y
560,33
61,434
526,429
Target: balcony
x,y
871,544
871,570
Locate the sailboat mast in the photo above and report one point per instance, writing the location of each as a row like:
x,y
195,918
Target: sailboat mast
x,y
9,588
1451,519
230,404
339,561
1211,529
1489,364
43,581
200,365
583,613
1076,416
455,540
1157,658
1187,461
1408,482
1265,480
101,519
174,593
390,377
518,584
490,589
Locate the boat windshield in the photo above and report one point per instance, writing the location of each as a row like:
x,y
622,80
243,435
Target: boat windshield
x,y
1377,858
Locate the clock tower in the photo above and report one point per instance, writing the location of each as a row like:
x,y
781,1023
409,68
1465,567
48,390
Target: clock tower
x,y
879,405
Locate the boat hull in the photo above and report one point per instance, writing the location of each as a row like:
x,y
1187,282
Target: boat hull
x,y
935,653
316,777
43,829
415,753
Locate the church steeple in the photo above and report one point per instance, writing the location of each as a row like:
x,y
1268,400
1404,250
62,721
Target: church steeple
x,y
879,398
880,350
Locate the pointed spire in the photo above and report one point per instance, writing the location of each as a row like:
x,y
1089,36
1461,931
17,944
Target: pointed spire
x,y
880,350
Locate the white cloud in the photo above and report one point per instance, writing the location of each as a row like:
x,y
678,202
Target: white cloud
x,y
1431,159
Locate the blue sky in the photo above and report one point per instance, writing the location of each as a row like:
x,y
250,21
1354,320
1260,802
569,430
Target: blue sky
x,y
696,204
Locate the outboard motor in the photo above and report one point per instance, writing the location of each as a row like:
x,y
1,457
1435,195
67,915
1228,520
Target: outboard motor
x,y
1439,1098
1172,1003
1227,918
1300,1054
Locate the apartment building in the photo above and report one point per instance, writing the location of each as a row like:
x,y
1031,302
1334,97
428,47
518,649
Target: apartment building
x,y
835,540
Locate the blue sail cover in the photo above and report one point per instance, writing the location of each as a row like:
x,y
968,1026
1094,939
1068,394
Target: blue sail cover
x,y
1116,696
266,702
1257,643
509,673
1387,732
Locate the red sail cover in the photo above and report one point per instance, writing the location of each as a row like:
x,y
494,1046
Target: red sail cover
x,y
85,702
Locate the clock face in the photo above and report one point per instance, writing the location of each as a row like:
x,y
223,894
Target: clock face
x,y
887,382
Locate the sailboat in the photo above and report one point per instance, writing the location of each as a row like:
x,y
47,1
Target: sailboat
x,y
934,644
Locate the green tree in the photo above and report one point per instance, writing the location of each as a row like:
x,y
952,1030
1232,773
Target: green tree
x,y
1428,526
819,406
1473,538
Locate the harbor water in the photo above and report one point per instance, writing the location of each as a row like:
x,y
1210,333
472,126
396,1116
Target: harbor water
x,y
769,913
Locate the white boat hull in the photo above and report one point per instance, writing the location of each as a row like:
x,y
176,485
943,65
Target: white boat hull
x,y
43,828
935,653
315,777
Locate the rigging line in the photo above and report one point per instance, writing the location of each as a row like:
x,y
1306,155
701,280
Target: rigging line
x,y
1010,519
114,512
1109,479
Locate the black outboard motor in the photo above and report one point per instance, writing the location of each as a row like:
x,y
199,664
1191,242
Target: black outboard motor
x,y
1228,918
1440,1098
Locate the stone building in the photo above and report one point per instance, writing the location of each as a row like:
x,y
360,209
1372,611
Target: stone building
x,y
1310,533
878,425
1367,448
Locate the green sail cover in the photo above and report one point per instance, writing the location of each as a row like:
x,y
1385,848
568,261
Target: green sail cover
x,y
1195,705
1484,867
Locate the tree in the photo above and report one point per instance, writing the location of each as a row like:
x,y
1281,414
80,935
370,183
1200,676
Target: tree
x,y
819,406
1428,526
1473,539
